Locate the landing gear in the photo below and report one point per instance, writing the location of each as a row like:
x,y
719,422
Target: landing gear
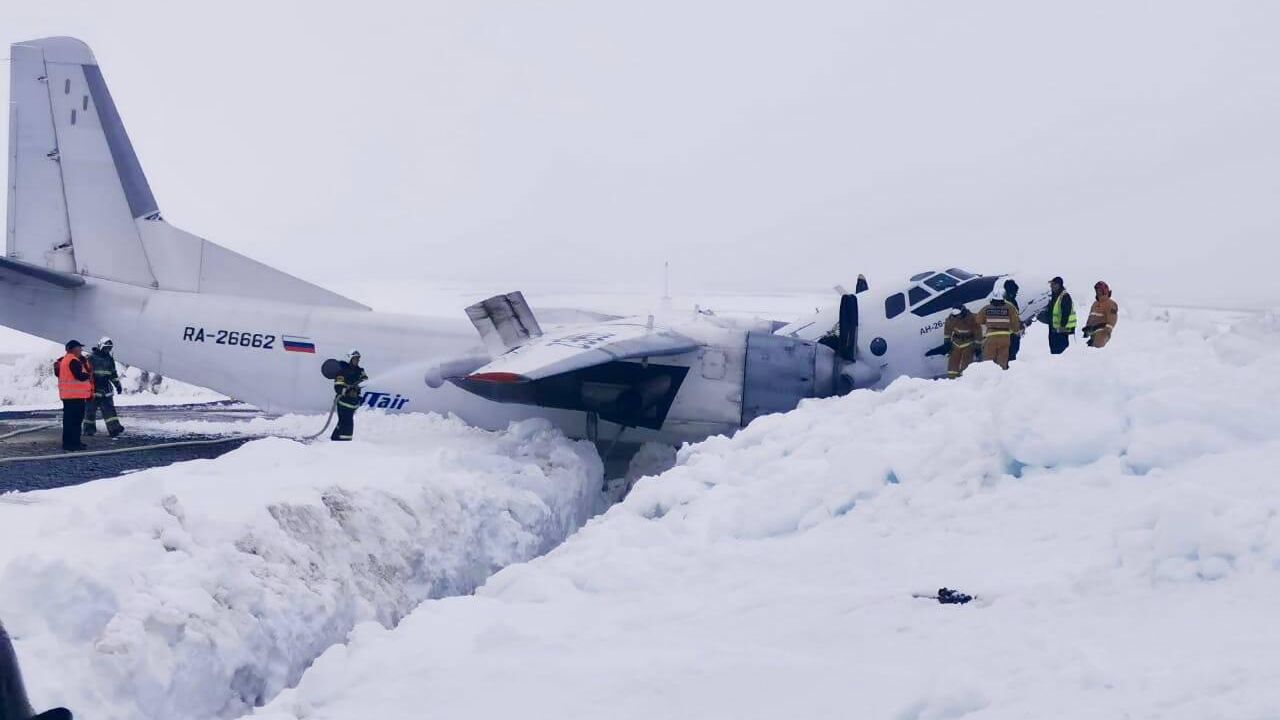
x,y
593,427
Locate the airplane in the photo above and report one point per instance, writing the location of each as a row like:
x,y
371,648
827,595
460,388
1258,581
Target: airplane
x,y
89,254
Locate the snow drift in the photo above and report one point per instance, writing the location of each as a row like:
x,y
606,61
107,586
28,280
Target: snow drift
x,y
202,589
1115,511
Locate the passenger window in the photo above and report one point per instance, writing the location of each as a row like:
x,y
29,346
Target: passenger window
x,y
917,295
941,282
894,305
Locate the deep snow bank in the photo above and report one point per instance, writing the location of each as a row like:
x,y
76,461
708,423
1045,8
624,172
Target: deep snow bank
x,y
1117,511
28,382
200,589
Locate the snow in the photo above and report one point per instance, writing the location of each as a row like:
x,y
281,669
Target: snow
x,y
201,589
27,382
1115,511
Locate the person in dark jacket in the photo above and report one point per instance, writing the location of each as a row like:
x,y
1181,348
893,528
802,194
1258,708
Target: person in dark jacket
x,y
106,383
1011,297
346,386
1060,317
75,388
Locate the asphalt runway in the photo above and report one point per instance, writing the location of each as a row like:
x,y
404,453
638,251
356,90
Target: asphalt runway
x,y
74,469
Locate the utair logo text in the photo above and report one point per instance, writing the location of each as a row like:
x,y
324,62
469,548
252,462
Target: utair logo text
x,y
387,401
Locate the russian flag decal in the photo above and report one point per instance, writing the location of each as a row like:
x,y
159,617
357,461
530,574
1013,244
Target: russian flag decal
x,y
294,343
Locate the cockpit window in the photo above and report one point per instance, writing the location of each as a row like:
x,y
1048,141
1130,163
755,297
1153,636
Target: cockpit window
x,y
917,295
960,275
920,276
941,282
894,305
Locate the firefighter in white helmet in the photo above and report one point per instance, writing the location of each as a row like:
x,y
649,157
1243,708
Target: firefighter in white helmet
x,y
346,388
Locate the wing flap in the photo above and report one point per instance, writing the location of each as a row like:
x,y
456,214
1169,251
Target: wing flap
x,y
577,348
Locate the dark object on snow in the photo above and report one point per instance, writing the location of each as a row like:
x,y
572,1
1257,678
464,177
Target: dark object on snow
x,y
13,694
946,596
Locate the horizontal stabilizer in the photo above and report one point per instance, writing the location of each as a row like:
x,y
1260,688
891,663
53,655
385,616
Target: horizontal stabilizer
x,y
16,271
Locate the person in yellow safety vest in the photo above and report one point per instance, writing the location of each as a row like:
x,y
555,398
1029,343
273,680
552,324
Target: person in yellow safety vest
x,y
999,321
961,332
1060,317
346,386
1102,316
75,387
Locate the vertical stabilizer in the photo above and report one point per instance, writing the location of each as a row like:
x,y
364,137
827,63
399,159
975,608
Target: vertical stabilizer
x,y
80,203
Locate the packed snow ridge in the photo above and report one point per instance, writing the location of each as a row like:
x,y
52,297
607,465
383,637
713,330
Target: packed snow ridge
x,y
201,590
1115,511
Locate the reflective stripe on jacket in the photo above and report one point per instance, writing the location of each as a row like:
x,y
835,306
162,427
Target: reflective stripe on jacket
x,y
71,387
999,319
347,386
104,373
961,330
1057,324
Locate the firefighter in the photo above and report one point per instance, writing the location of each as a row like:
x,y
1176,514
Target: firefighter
x,y
1102,316
1060,317
1011,297
961,331
106,383
346,386
75,388
998,321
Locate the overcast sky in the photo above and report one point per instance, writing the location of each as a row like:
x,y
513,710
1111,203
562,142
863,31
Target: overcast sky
x,y
780,145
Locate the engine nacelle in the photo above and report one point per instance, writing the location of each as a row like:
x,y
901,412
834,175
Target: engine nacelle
x,y
780,371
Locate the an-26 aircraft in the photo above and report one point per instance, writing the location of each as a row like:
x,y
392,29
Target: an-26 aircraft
x,y
88,253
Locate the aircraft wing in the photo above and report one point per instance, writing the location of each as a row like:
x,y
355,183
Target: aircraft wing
x,y
575,348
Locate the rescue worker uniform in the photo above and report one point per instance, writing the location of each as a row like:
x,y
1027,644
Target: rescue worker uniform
x,y
1102,317
346,386
1061,318
999,321
106,383
1011,296
75,388
961,332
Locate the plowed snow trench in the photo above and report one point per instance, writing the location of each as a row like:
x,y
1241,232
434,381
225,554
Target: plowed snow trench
x,y
203,589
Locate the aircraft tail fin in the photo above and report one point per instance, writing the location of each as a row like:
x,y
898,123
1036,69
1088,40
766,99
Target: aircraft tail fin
x,y
80,203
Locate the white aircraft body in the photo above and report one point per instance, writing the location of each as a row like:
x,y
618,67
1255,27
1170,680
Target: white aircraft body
x,y
89,254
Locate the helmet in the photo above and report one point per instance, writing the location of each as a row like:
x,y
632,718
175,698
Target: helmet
x,y
1103,288
997,293
105,342
353,354
957,310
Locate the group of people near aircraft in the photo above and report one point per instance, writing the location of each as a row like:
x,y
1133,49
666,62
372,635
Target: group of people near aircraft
x,y
87,384
995,332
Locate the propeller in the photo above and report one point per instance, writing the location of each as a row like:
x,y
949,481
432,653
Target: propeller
x,y
847,339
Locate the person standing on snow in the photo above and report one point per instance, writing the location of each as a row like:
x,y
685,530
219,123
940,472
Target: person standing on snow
x,y
106,383
1102,316
75,388
999,321
1060,317
346,386
1011,297
961,332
